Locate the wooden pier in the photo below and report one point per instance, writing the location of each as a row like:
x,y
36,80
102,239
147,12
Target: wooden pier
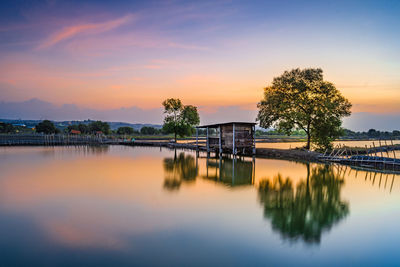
x,y
370,158
54,140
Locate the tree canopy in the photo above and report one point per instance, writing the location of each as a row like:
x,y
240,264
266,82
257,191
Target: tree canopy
x,y
180,119
46,127
91,128
301,99
147,130
7,128
125,130
83,128
99,126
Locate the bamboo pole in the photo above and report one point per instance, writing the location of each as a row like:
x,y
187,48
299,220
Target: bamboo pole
x,y
394,151
387,149
380,147
220,140
374,149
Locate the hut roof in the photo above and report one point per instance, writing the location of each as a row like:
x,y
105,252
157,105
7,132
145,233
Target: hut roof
x,y
215,125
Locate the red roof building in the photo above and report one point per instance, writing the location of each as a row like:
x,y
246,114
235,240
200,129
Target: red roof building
x,y
75,132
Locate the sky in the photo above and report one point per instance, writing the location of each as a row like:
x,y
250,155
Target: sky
x,y
119,60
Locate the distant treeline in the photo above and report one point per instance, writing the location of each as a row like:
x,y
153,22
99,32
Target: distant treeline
x,y
260,133
94,127
346,133
371,133
100,127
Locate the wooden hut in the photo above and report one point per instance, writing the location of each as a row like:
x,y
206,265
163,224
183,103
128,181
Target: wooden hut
x,y
230,137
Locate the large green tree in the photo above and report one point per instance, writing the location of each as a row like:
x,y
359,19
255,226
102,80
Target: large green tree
x,y
180,119
301,99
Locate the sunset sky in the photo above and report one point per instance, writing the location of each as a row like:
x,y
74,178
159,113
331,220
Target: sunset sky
x,y
126,57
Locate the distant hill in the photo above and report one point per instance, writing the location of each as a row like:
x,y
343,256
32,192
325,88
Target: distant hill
x,y
64,124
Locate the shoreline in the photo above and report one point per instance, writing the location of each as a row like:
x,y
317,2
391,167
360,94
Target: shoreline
x,y
298,155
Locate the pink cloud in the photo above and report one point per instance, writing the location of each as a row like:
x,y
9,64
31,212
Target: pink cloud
x,y
152,67
90,28
187,46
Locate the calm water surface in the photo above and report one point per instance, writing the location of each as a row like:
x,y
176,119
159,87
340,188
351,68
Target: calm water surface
x,y
125,206
363,143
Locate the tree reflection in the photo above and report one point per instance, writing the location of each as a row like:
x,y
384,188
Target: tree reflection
x,y
179,168
309,209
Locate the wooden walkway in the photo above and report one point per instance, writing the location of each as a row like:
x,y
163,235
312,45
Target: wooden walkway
x,y
371,160
54,140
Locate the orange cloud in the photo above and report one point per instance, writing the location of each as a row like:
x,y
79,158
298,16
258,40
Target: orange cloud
x,y
91,28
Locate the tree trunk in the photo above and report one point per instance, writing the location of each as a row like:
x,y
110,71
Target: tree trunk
x,y
175,136
308,141
308,137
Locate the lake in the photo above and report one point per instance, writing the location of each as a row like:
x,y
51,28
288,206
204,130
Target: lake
x,y
337,143
138,206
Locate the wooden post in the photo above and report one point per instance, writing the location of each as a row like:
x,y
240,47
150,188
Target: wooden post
x,y
374,149
254,170
220,140
219,167
254,139
380,147
208,143
394,151
233,140
387,149
233,171
197,160
207,164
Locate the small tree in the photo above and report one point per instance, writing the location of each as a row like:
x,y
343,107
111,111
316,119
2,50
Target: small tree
x,y
7,128
146,130
46,127
179,119
83,128
125,130
99,126
301,99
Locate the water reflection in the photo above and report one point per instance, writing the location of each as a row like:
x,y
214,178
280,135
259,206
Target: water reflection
x,y
306,210
116,209
230,172
298,211
180,168
375,177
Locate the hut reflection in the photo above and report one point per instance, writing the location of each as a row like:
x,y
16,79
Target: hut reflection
x,y
227,171
180,168
230,171
305,211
